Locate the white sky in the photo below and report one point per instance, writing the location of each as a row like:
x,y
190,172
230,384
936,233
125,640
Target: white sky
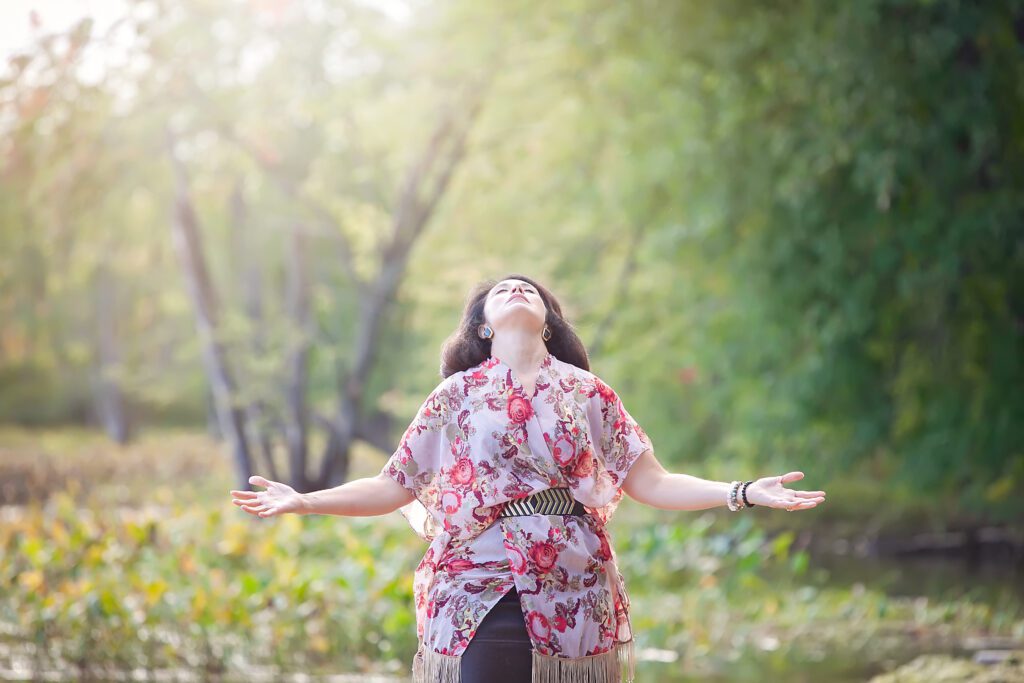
x,y
17,30
54,15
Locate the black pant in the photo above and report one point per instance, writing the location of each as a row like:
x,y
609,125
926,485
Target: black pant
x,y
500,650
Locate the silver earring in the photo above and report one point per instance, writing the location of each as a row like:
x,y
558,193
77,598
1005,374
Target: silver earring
x,y
546,335
488,332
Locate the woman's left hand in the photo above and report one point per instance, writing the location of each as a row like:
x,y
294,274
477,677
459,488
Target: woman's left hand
x,y
770,492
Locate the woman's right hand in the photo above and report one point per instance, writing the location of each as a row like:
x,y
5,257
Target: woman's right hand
x,y
276,500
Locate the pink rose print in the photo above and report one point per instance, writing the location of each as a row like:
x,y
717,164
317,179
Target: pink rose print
x,y
539,626
543,555
605,553
584,465
459,565
516,559
607,395
451,501
559,623
462,472
640,432
564,451
519,409
620,423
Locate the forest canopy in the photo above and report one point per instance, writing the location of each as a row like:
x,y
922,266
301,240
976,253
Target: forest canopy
x,y
786,233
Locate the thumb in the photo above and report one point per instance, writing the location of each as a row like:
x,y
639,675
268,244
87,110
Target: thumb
x,y
791,476
257,480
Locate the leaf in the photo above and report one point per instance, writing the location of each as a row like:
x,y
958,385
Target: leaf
x,y
782,543
453,432
799,562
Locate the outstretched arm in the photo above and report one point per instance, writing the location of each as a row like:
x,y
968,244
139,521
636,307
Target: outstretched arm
x,y
377,495
651,484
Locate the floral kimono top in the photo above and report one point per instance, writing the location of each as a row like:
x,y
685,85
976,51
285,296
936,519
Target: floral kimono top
x,y
478,441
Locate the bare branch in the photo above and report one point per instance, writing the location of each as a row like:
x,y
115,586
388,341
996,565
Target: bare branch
x,y
287,187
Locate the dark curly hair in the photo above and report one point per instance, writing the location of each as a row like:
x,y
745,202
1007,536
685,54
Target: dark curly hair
x,y
465,349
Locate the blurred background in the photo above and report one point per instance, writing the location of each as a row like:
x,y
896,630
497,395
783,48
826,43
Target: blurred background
x,y
235,233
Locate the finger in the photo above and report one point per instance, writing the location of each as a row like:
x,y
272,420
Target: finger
x,y
809,494
249,503
257,480
243,495
795,503
254,508
269,512
791,476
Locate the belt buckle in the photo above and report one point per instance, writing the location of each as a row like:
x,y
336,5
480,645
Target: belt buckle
x,y
559,499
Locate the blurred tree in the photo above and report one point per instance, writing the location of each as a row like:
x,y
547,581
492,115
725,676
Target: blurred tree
x,y
197,91
420,188
797,228
789,236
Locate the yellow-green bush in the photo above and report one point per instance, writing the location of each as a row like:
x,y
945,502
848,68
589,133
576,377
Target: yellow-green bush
x,y
143,562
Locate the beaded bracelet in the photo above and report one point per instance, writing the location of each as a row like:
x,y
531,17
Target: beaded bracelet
x,y
731,500
743,492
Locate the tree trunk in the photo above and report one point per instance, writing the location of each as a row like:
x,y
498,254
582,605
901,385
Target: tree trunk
x,y
108,397
250,291
422,189
187,243
297,359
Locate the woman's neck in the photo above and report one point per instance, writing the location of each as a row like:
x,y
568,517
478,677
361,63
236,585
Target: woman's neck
x,y
524,353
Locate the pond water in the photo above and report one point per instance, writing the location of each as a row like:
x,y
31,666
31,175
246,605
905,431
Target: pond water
x,y
990,581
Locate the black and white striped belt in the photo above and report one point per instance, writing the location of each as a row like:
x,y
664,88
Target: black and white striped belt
x,y
547,502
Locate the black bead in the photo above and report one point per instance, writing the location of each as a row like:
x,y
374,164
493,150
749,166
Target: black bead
x,y
744,492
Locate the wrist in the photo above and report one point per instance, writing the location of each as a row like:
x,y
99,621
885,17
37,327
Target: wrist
x,y
305,504
737,497
754,495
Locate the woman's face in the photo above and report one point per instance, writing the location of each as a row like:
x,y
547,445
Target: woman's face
x,y
514,303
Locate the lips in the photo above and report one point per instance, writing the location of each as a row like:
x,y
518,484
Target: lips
x,y
517,296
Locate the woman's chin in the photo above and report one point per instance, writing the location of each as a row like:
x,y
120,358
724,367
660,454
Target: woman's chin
x,y
520,315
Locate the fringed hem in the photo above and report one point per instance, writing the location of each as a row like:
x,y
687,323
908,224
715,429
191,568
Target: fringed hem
x,y
618,665
433,667
615,666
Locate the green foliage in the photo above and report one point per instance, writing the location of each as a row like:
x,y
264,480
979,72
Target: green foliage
x,y
157,570
946,668
826,223
790,234
34,395
206,588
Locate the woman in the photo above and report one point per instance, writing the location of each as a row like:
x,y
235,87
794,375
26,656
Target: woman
x,y
512,469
